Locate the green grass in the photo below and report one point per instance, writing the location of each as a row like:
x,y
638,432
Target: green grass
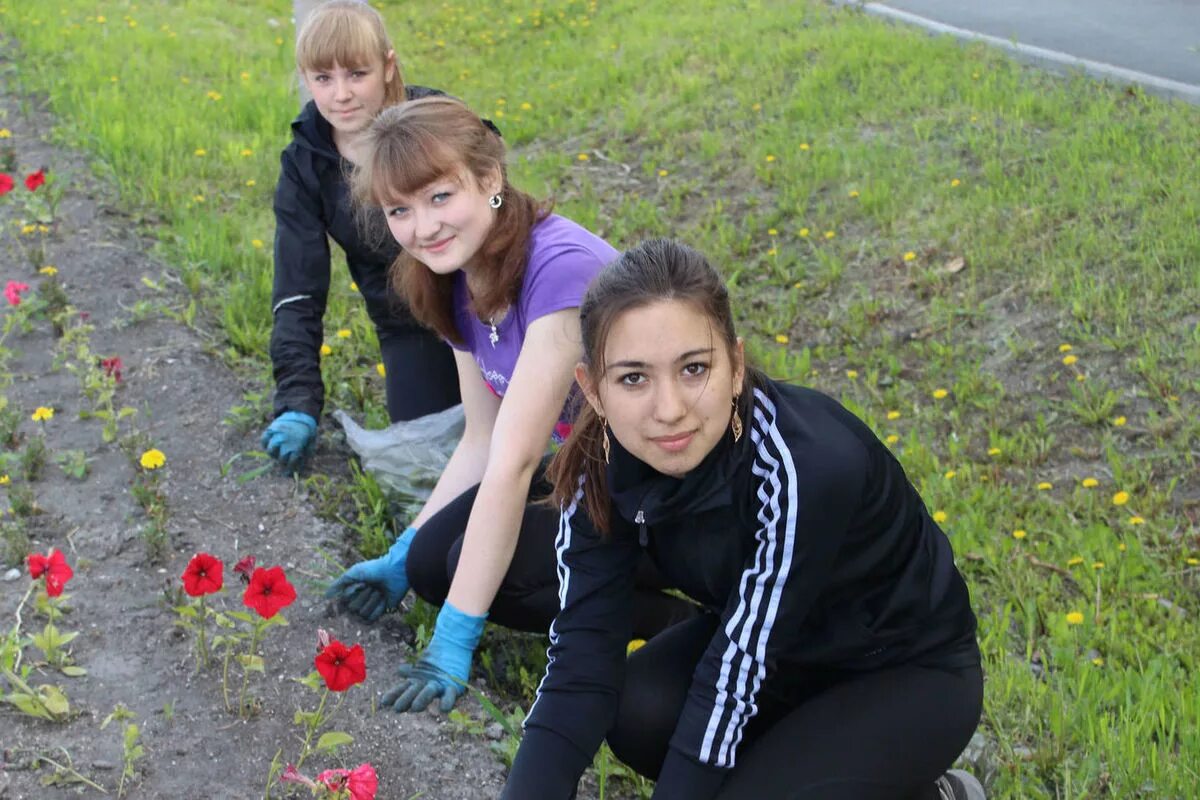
x,y
807,149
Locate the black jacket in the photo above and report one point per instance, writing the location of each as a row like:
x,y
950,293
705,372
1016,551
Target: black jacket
x,y
808,540
312,204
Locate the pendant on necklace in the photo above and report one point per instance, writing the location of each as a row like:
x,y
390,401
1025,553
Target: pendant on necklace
x,y
494,336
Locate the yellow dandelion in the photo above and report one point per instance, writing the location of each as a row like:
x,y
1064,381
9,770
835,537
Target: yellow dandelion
x,y
1120,498
1121,547
152,459
28,229
940,394
1098,661
770,158
1193,562
43,229
381,369
851,374
1069,360
343,333
214,96
772,232
5,133
1075,618
185,79
756,107
1080,377
526,106
198,198
1136,520
1118,422
101,19
1064,348
1074,561
781,338
113,78
257,244
804,145
955,183
498,113
353,286
278,40
1097,565
892,438
893,415
199,151
910,256
940,516
1045,486
1019,533
245,76
1089,483
5,480
830,234
853,193
772,252
251,182
246,152
582,157
49,270
804,233
662,173
133,23
949,474
634,645
42,414
326,349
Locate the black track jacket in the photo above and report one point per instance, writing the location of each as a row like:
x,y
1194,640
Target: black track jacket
x,y
808,540
312,203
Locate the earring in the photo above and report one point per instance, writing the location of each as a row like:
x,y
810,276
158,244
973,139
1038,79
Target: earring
x,y
736,422
495,201
604,443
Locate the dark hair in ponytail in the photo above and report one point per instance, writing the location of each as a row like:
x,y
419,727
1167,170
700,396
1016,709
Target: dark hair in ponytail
x,y
653,271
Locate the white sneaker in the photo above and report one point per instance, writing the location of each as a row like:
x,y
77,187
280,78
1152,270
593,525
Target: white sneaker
x,y
959,785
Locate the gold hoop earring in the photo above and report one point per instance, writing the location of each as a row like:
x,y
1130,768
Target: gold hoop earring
x,y
736,422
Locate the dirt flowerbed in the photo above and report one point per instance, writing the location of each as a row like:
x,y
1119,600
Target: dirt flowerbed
x,y
101,502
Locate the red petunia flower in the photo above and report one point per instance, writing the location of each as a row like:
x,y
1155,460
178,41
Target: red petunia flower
x,y
6,183
341,666
244,568
361,781
12,292
35,179
112,367
203,575
269,592
54,567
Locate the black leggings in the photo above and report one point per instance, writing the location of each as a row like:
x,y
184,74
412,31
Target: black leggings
x,y
421,375
881,735
528,596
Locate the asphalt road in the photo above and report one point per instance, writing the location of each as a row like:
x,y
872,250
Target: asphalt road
x,y
1158,38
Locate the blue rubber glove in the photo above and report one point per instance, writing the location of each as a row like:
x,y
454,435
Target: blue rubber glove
x,y
290,437
370,588
443,669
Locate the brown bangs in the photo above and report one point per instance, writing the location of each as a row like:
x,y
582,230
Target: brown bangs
x,y
403,165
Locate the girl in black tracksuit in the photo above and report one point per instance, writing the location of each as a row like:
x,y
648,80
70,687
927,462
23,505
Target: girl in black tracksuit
x,y
836,657
312,206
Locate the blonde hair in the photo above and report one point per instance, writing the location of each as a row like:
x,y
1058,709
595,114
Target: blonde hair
x,y
351,34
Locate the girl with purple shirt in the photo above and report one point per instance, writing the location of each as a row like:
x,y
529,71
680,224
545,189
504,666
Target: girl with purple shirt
x,y
499,277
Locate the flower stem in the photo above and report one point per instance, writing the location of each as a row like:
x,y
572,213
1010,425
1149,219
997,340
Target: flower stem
x,y
313,724
202,642
246,668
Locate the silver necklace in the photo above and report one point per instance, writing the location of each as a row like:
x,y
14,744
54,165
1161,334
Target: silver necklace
x,y
494,336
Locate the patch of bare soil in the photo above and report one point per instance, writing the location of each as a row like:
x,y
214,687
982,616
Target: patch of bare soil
x,y
122,603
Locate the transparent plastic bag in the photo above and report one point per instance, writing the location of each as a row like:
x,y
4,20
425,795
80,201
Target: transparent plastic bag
x,y
406,458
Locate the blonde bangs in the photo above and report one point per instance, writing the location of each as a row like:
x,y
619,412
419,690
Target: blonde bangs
x,y
339,36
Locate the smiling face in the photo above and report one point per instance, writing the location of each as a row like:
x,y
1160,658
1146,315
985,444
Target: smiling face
x,y
444,223
668,384
350,97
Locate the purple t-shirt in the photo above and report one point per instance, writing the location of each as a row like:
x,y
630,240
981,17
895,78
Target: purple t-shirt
x,y
563,259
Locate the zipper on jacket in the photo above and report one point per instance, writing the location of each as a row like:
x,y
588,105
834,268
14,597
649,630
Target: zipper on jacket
x,y
640,519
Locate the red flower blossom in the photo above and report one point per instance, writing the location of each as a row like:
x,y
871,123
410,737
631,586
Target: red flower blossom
x,y
269,592
361,782
6,183
244,568
112,367
203,575
12,291
341,666
35,179
54,567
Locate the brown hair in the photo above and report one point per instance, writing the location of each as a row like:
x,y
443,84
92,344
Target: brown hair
x,y
409,146
351,34
653,271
